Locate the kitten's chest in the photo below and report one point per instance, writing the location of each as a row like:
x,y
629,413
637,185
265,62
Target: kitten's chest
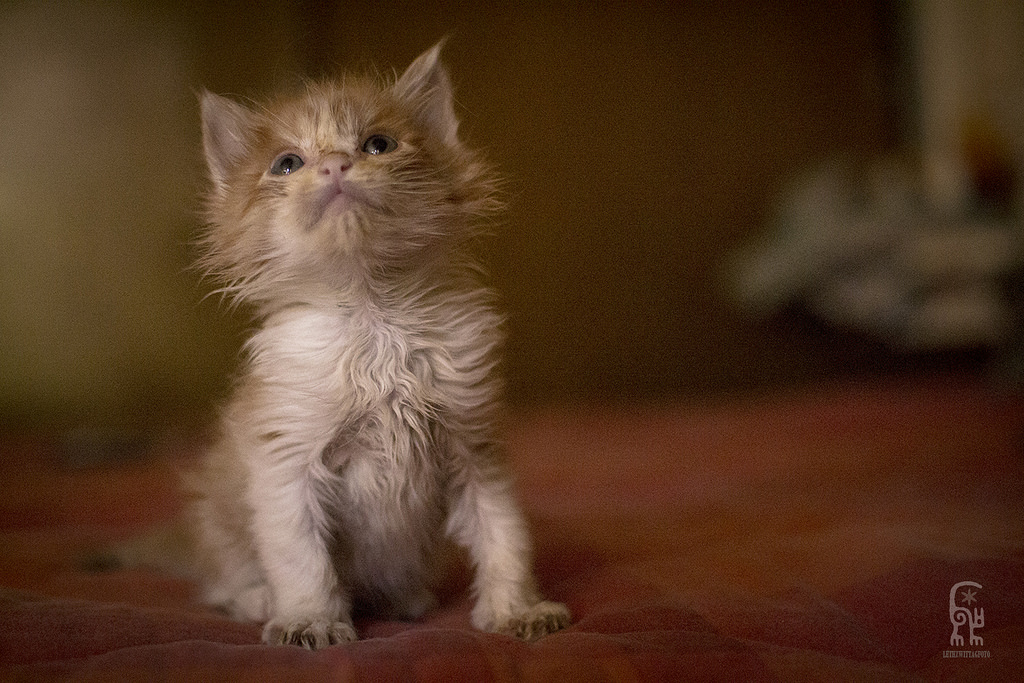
x,y
392,366
351,360
376,378
390,452
371,383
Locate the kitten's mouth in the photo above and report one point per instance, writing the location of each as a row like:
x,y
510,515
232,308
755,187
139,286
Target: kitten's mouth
x,y
341,198
335,201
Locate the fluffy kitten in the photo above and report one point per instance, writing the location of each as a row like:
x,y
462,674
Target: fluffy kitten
x,y
362,431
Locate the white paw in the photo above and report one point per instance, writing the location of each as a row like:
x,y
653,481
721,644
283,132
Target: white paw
x,y
536,622
312,634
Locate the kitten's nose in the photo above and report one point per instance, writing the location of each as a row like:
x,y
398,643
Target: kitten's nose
x,y
335,165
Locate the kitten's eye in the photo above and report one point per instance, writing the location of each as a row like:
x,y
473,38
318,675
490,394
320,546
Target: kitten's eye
x,y
379,144
286,163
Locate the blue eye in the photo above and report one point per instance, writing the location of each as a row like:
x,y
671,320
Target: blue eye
x,y
286,163
379,144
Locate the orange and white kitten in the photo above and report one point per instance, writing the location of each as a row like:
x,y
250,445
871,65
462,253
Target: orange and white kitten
x,y
362,430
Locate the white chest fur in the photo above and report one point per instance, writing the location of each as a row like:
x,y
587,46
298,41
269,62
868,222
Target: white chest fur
x,y
362,385
353,402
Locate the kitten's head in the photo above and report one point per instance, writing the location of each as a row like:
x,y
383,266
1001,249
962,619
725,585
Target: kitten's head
x,y
347,179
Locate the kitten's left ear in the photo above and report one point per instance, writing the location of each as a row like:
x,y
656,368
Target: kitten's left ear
x,y
226,126
425,85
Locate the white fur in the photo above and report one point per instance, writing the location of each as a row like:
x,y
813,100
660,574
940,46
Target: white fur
x,y
363,430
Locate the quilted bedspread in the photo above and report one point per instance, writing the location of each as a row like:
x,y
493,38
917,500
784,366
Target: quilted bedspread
x,y
868,531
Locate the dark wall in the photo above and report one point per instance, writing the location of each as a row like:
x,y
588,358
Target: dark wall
x,y
642,141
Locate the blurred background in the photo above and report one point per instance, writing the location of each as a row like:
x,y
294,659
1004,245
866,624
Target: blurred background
x,y
707,198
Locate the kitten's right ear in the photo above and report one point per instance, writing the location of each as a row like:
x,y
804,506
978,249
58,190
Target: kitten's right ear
x,y
226,128
426,85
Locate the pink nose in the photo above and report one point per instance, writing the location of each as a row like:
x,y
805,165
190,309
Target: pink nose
x,y
335,165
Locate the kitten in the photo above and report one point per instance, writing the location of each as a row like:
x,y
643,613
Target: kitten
x,y
362,431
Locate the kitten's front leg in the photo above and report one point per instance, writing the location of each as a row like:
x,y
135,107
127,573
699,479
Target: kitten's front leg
x,y
308,607
486,519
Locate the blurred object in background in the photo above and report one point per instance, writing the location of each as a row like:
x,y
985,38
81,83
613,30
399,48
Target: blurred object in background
x,y
921,249
864,249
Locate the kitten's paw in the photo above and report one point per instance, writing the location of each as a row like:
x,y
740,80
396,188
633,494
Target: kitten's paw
x,y
536,622
312,635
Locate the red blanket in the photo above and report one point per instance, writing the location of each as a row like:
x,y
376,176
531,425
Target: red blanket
x,y
807,537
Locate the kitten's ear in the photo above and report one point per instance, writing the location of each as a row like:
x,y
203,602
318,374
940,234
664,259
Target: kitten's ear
x,y
426,86
226,127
